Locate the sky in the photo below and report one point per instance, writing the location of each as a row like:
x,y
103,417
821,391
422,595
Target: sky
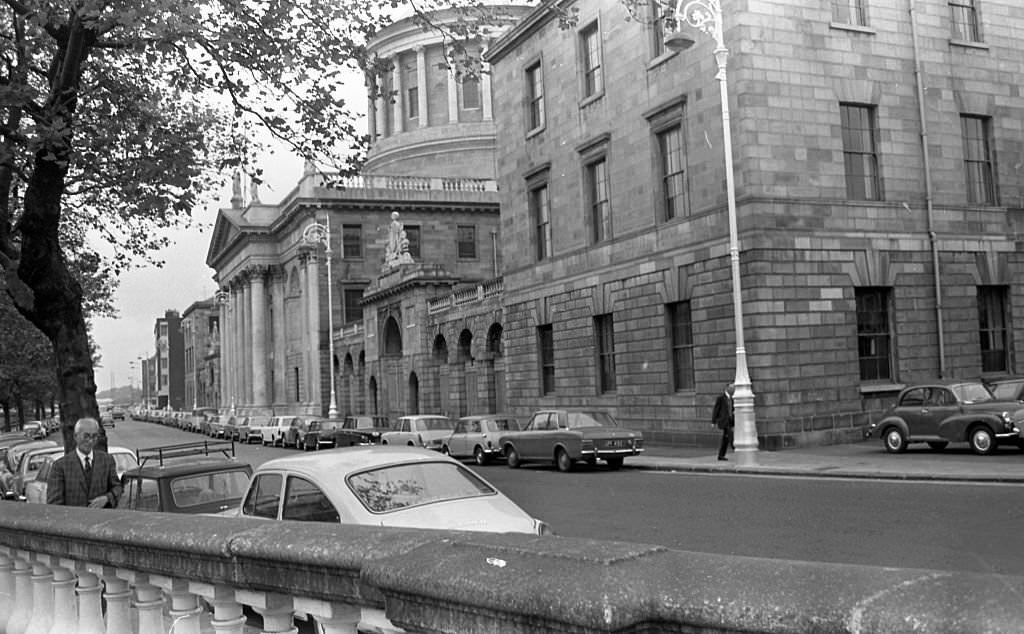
x,y
145,293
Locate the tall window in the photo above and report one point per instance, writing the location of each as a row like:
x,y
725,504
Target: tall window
x,y
672,171
604,333
351,241
978,160
596,182
412,102
466,246
680,330
412,234
992,328
964,20
859,152
874,336
534,97
470,93
540,211
590,56
353,311
657,18
850,12
546,344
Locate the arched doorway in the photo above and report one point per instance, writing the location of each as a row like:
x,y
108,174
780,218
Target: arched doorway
x,y
414,393
439,370
495,379
464,362
373,395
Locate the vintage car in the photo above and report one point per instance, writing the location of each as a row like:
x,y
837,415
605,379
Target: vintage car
x,y
252,430
367,425
477,437
420,430
197,417
201,477
35,430
35,486
277,431
28,464
946,411
383,486
321,433
567,436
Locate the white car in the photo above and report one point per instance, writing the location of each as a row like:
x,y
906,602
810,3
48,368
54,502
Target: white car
x,y
429,431
383,486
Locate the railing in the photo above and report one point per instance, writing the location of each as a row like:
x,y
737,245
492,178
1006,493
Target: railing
x,y
411,183
462,297
190,572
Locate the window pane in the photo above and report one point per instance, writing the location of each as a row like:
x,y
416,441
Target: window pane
x,y
993,335
470,93
352,241
412,102
597,196
305,502
681,345
859,155
593,81
412,234
466,242
873,334
964,20
604,331
535,97
672,162
541,214
850,12
546,343
977,160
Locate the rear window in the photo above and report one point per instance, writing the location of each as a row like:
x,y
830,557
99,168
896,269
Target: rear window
x,y
434,424
402,486
209,488
590,419
1006,391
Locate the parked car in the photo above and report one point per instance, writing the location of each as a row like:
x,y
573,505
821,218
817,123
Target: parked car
x,y
198,417
567,436
324,433
946,411
288,436
229,427
420,430
252,431
383,486
117,413
1008,389
200,477
12,459
374,426
215,425
273,433
35,430
25,470
34,489
477,437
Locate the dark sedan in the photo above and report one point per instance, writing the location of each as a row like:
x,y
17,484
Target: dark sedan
x,y
566,436
335,432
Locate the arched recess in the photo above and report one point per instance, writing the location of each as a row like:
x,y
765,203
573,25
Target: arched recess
x,y
465,350
414,393
495,370
467,373
350,383
392,337
373,395
360,390
439,374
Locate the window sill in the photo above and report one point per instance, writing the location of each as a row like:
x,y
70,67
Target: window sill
x,y
856,28
534,132
661,59
968,44
591,99
880,388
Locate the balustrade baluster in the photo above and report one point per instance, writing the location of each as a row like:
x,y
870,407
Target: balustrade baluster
x,y
90,611
65,616
334,618
277,610
185,608
227,612
22,596
149,602
118,594
41,619
6,590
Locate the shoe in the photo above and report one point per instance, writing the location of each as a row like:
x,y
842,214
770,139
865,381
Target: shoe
x,y
723,458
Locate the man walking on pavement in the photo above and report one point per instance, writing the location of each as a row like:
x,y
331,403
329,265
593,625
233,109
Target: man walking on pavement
x,y
85,476
722,417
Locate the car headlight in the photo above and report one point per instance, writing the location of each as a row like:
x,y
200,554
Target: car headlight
x,y
587,444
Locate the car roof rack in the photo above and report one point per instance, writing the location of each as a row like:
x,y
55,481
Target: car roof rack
x,y
201,448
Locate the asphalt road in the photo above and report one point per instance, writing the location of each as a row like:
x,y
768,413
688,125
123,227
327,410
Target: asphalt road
x,y
949,526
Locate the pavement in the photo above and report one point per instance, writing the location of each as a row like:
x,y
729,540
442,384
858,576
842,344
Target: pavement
x,y
867,459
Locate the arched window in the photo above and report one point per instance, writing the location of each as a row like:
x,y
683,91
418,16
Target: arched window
x,y
392,337
494,340
465,353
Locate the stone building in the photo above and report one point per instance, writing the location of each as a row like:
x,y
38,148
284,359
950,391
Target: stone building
x,y
167,365
201,338
867,259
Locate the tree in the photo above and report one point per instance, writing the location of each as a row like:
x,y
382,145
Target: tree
x,y
119,116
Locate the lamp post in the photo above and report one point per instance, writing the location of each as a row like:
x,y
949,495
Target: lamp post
x,y
706,16
320,233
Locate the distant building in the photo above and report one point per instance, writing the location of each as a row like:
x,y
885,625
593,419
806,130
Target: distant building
x,y
201,340
169,362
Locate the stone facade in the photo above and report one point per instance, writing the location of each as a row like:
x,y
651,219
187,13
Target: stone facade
x,y
201,337
810,241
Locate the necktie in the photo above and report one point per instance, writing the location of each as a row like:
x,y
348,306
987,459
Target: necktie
x,y
88,468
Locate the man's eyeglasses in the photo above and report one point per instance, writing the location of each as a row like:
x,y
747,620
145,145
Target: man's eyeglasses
x,y
88,435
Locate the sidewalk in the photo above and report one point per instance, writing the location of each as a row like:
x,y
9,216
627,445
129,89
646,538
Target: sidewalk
x,y
866,459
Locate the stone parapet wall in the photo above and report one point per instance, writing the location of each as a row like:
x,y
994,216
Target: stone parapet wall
x,y
433,581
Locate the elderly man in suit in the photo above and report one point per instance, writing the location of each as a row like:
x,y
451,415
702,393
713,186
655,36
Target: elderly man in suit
x,y
723,418
85,476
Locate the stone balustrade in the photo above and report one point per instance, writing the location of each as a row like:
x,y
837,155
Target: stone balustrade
x,y
462,297
187,574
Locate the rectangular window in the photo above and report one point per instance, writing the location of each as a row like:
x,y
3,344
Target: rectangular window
x,y
657,18
534,97
964,20
540,211
596,182
412,102
672,171
546,344
353,311
680,329
978,160
604,334
590,56
470,93
874,334
992,328
860,155
351,241
850,12
412,234
466,247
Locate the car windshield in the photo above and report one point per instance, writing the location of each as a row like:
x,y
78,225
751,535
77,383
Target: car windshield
x,y
124,461
402,486
972,393
435,424
1006,391
590,419
502,424
328,425
209,488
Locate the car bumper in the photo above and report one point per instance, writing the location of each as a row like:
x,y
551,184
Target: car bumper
x,y
602,453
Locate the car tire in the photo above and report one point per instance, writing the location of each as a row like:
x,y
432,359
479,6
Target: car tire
x,y
938,445
614,463
983,442
479,457
383,442
301,445
512,457
894,440
563,461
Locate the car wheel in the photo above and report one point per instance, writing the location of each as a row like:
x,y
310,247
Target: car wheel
x,y
444,450
614,463
512,456
938,445
383,442
301,444
895,441
1020,445
982,441
563,461
479,457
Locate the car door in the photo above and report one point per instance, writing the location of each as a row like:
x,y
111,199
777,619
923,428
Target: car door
x,y
304,501
263,500
911,408
941,403
457,441
537,436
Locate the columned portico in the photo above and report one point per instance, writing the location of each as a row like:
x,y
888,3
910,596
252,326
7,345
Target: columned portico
x,y
247,338
258,307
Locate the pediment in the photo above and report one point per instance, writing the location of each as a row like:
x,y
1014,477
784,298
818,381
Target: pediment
x,y
225,231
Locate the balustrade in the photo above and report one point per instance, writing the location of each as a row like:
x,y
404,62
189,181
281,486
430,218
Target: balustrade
x,y
409,183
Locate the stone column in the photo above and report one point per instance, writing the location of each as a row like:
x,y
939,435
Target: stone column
x,y
6,589
453,98
485,91
279,283
149,603
184,605
380,113
306,335
259,339
247,339
227,612
421,85
237,356
371,108
222,325
396,82
313,300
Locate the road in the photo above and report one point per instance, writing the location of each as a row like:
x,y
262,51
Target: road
x,y
950,526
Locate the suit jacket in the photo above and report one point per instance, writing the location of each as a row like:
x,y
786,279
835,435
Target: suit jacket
x,y
66,484
722,415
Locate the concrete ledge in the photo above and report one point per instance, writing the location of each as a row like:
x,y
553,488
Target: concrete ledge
x,y
434,581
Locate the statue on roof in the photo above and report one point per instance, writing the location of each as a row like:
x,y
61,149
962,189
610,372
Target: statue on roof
x,y
396,251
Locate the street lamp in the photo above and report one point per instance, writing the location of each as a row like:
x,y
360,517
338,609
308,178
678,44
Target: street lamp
x,y
317,233
706,16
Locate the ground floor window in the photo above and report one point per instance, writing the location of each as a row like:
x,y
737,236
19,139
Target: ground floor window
x,y
874,334
992,328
